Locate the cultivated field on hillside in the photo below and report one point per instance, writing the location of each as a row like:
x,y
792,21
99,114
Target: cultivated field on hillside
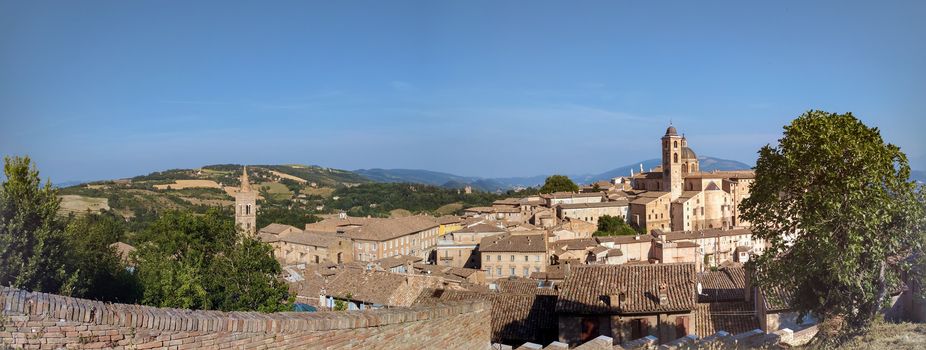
x,y
80,204
181,184
288,176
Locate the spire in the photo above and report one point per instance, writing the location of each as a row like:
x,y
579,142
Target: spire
x,y
245,184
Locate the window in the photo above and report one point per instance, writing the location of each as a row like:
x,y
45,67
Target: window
x,y
512,258
488,258
527,272
510,271
498,258
489,272
525,258
498,271
537,258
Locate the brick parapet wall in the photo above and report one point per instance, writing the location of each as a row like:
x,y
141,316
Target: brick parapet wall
x,y
40,320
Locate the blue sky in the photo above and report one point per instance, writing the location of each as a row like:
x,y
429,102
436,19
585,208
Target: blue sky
x,y
107,89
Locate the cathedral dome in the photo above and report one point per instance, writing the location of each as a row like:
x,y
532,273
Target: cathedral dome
x,y
687,153
671,131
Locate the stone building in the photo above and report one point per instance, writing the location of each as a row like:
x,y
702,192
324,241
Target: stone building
x,y
294,246
558,198
590,212
376,238
513,255
460,248
627,302
246,206
652,211
717,246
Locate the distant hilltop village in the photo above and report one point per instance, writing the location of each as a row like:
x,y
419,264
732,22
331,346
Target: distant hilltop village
x,y
679,279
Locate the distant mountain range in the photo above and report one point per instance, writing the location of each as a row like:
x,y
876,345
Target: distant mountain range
x,y
504,183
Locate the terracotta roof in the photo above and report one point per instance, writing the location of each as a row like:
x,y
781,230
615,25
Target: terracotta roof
x,y
396,261
777,298
309,238
617,203
481,228
560,195
513,243
522,285
723,285
386,229
277,229
615,252
626,239
334,224
710,233
588,289
377,287
648,175
448,219
574,244
731,317
650,196
554,272
516,318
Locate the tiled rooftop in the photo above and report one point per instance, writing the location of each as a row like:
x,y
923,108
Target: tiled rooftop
x,y
588,289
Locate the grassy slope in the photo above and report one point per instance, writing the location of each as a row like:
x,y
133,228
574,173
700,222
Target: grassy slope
x,y
890,336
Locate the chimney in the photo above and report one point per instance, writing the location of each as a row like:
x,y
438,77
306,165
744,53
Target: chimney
x,y
617,300
663,293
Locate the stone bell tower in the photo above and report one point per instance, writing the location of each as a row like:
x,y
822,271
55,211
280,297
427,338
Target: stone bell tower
x,y
246,206
671,164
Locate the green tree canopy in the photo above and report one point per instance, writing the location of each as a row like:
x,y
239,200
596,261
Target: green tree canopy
x,y
97,271
613,226
559,183
201,262
32,242
835,205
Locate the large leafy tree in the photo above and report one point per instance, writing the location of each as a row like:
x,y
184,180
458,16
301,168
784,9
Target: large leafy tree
x,y
559,183
613,226
32,242
840,216
202,262
96,270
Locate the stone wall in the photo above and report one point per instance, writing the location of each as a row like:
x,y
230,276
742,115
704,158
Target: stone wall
x,y
47,321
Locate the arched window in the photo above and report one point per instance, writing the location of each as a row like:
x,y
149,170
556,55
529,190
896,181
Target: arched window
x,y
684,168
675,158
675,144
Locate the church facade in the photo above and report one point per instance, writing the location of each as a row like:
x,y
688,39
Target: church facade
x,y
686,198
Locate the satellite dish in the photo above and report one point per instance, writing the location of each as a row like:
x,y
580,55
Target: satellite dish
x,y
699,288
